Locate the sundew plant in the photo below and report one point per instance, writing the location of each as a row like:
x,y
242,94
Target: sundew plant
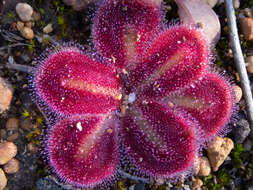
x,y
145,94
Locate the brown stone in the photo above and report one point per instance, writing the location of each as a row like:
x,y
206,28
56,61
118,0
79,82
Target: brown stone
x,y
48,28
12,124
20,25
27,33
250,68
247,27
238,93
12,137
24,11
247,12
197,184
3,180
211,3
249,59
236,4
218,150
8,150
249,63
12,166
6,93
204,167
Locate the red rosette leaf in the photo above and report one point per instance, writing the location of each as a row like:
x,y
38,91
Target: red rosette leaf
x,y
123,29
84,151
209,101
176,58
70,82
160,143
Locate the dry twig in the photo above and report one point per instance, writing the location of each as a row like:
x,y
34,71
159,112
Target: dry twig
x,y
239,60
19,67
134,178
13,45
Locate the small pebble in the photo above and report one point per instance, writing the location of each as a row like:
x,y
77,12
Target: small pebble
x,y
250,68
3,180
6,93
48,28
8,150
204,166
27,33
131,187
236,4
249,63
218,149
24,11
238,93
247,12
12,166
197,184
249,59
247,27
20,25
11,60
12,124
12,137
186,187
160,181
212,3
